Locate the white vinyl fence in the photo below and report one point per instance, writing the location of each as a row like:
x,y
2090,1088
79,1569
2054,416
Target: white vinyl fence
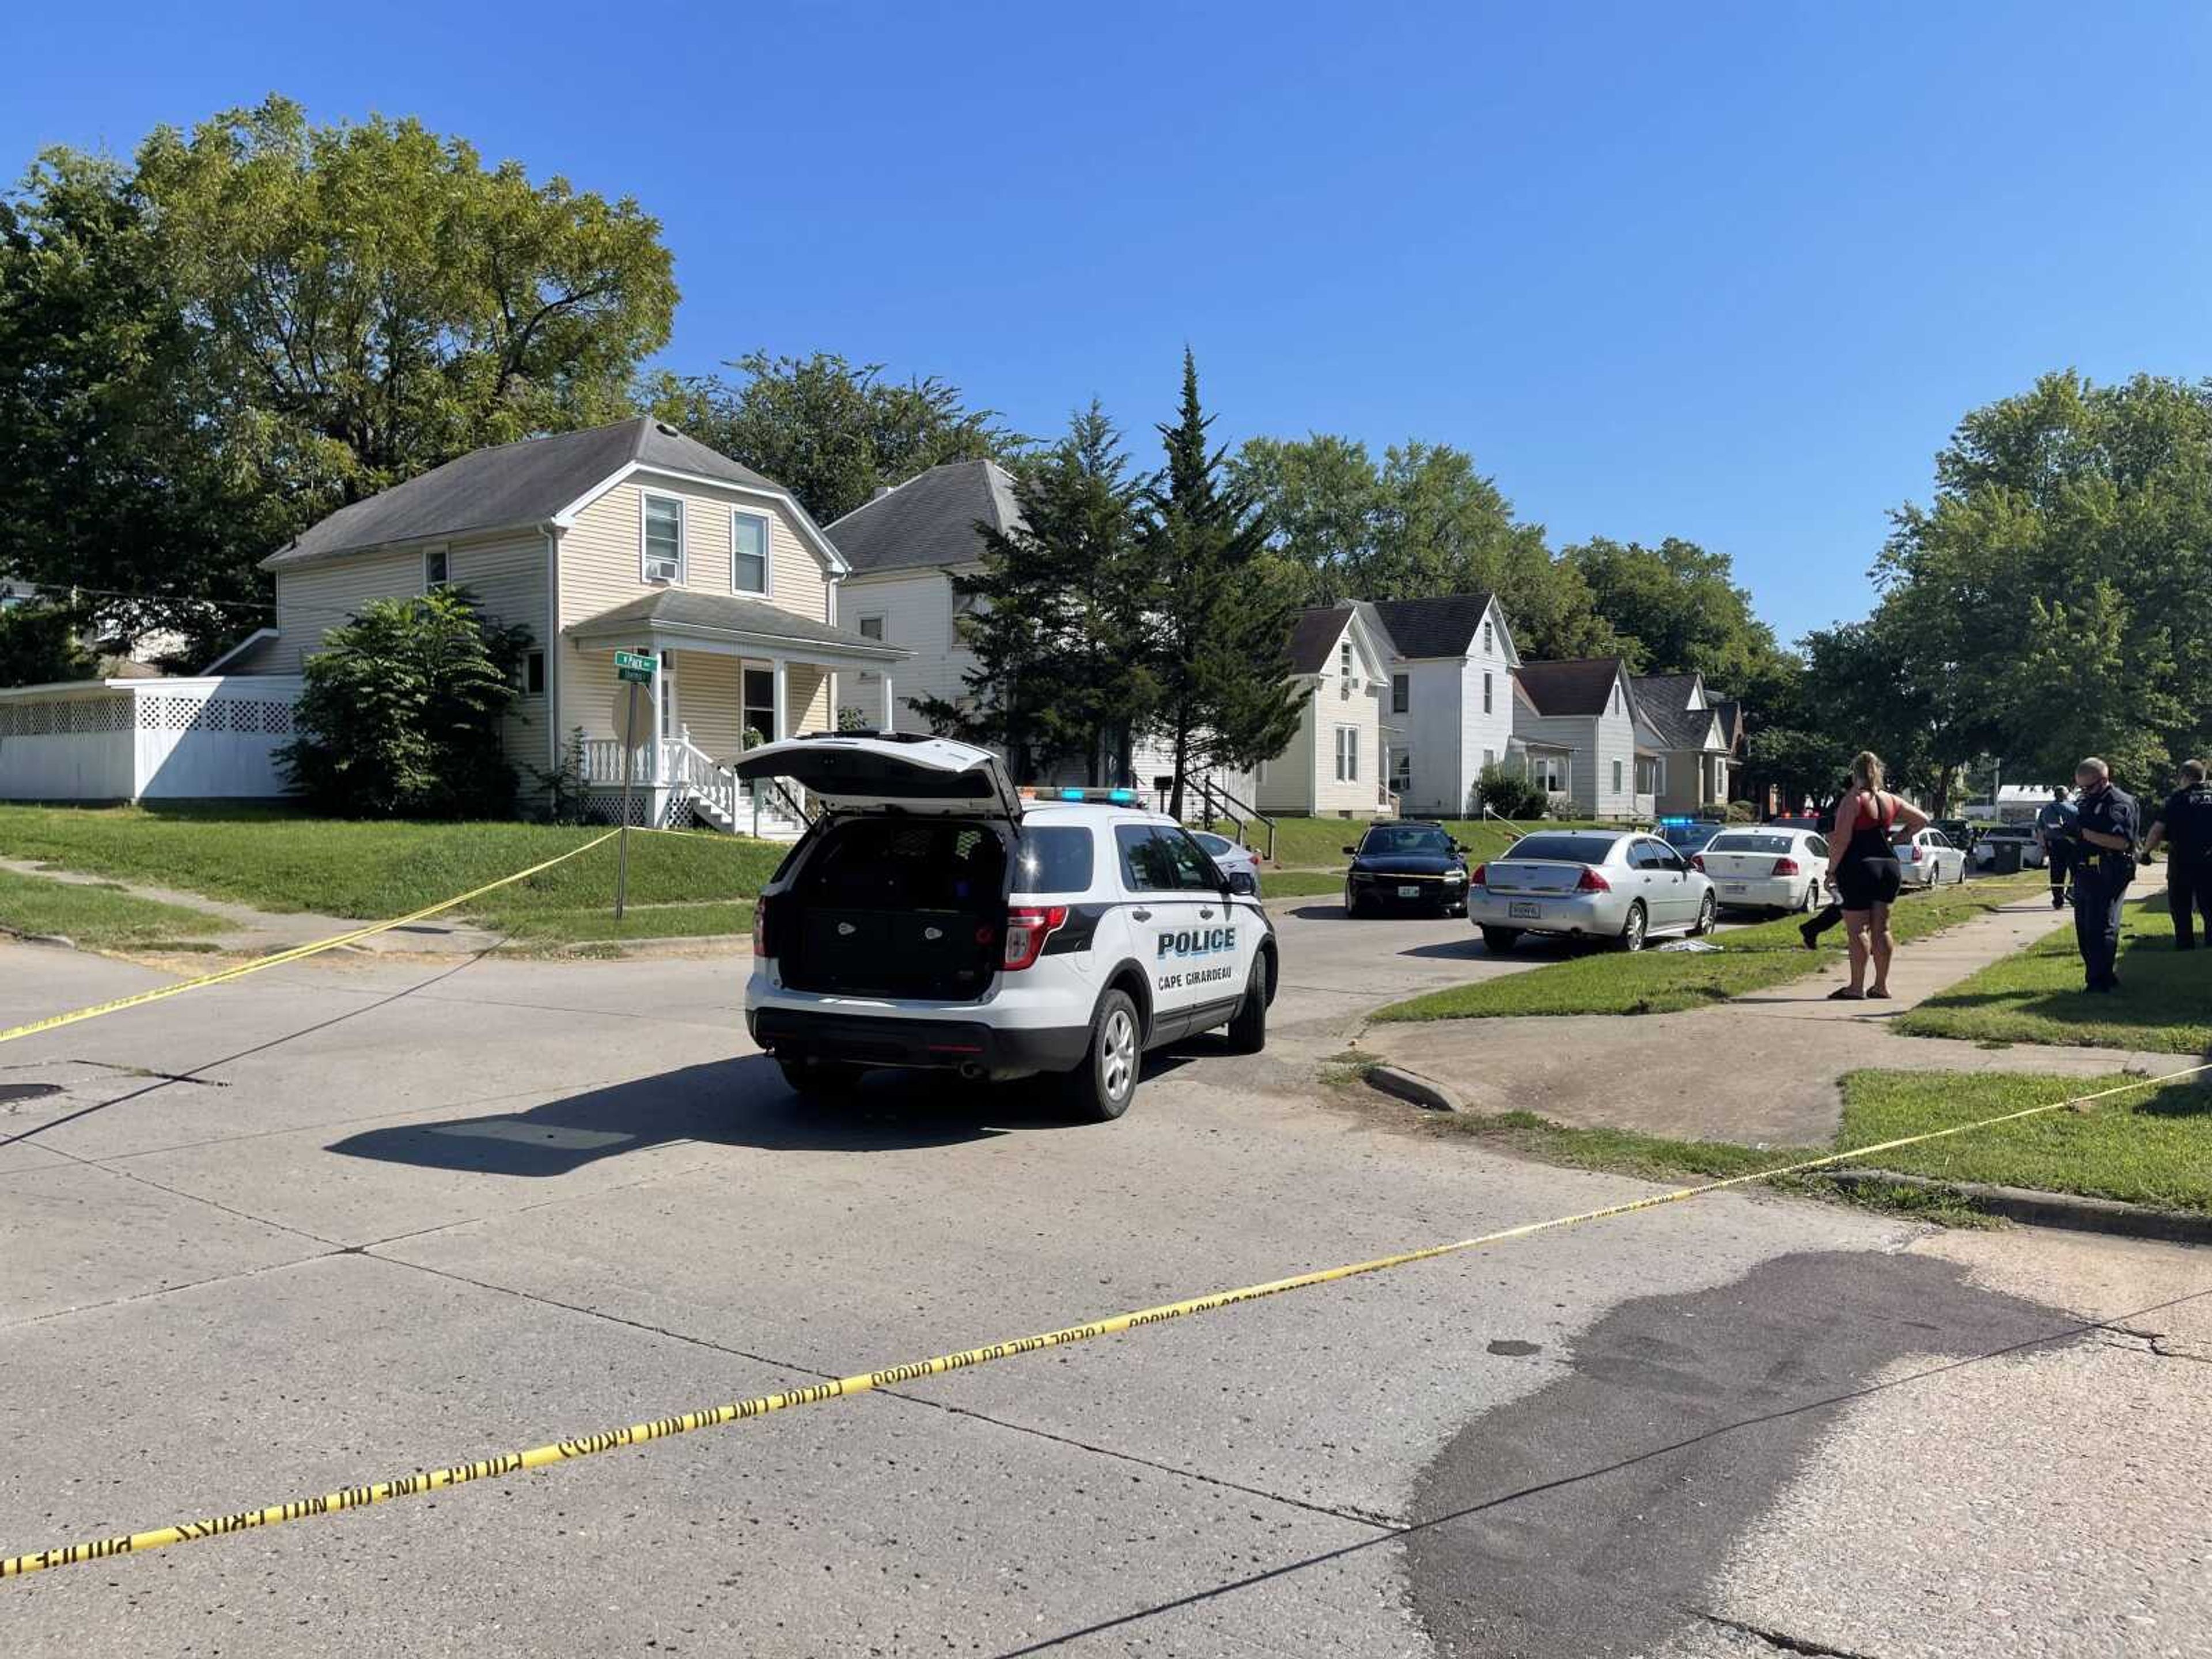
x,y
200,738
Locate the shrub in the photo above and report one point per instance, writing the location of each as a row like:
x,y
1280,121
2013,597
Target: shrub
x,y
400,716
1510,795
1742,811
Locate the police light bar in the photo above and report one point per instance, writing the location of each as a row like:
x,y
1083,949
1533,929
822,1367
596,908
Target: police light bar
x,y
1678,820
1107,797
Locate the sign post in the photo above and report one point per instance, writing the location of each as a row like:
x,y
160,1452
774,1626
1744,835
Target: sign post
x,y
634,670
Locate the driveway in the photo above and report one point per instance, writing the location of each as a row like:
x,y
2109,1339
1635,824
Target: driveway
x,y
349,1218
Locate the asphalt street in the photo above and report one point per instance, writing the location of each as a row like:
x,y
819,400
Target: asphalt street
x,y
360,1216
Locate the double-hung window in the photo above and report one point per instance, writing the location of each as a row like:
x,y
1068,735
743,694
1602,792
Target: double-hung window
x,y
1401,692
436,570
663,552
1347,754
748,553
1485,691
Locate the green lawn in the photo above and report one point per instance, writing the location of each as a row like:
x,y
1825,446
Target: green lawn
x,y
103,917
1652,982
2164,1004
536,927
277,861
2150,1146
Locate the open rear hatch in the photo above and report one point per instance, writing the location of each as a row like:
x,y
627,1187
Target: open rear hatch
x,y
904,894
891,772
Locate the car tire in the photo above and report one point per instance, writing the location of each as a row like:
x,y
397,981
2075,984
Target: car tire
x,y
1812,900
1708,912
1248,1032
1498,940
820,1079
1633,930
1100,1089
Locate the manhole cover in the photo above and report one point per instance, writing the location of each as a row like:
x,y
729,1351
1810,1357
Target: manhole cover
x,y
10,1093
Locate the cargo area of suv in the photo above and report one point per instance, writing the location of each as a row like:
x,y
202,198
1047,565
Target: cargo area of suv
x,y
895,907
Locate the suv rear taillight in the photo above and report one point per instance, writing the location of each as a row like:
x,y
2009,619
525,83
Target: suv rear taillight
x,y
1784,867
1590,882
760,952
1027,929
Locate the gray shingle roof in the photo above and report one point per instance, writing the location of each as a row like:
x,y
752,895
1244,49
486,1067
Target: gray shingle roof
x,y
1729,713
1660,699
509,485
1577,685
725,613
929,522
1313,635
1440,627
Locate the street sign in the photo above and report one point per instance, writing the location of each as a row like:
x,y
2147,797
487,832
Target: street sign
x,y
634,666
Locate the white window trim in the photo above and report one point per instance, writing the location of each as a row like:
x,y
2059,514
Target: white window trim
x,y
1488,695
644,573
428,554
882,619
768,553
1397,706
1347,754
1617,789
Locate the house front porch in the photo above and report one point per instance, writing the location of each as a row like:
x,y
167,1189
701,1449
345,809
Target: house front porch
x,y
731,674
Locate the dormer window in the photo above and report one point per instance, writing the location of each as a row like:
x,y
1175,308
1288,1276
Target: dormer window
x,y
663,553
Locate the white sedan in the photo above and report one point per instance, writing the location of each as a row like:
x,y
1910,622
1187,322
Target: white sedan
x,y
1929,859
1773,867
1229,857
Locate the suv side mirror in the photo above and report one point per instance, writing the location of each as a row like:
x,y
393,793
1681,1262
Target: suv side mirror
x,y
1240,883
1351,852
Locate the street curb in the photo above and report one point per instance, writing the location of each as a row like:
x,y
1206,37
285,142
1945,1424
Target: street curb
x,y
727,942
2040,1209
62,940
1411,1086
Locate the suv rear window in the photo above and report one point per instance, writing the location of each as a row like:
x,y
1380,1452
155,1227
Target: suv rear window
x,y
1057,858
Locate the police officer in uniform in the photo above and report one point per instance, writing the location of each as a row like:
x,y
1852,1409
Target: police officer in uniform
x,y
2185,824
2104,864
2054,823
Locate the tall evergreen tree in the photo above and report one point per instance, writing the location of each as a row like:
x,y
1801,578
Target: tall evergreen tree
x,y
1223,616
1060,616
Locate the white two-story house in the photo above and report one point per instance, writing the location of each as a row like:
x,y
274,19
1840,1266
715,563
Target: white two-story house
x,y
1450,711
631,537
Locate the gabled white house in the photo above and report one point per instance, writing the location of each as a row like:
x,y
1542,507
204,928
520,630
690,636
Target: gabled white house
x,y
1576,721
1336,765
1448,711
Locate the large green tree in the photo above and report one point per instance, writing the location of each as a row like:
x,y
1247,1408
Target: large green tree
x,y
2062,575
1223,618
1422,522
832,432
1061,620
1677,609
262,319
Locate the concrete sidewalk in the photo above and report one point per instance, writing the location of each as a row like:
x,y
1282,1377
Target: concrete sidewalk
x,y
1763,1070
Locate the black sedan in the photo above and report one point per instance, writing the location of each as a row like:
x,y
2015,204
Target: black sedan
x,y
1406,866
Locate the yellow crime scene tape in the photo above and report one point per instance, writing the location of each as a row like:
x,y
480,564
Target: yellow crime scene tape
x,y
297,952
354,1498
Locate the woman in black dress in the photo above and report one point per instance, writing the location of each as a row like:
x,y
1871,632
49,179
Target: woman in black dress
x,y
1862,868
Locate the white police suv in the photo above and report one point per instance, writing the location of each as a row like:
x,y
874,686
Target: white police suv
x,y
937,916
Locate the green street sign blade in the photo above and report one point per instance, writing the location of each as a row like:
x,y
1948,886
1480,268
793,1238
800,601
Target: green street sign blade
x,y
633,665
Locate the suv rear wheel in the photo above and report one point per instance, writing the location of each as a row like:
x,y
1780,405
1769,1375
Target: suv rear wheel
x,y
1099,1090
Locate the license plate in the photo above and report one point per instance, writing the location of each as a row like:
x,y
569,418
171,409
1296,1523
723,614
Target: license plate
x,y
1525,912
1731,887
1409,892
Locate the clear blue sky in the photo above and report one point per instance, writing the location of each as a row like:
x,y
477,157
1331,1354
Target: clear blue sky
x,y
1725,272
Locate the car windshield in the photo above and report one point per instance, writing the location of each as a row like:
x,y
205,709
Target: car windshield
x,y
1564,848
1400,838
1750,844
1684,835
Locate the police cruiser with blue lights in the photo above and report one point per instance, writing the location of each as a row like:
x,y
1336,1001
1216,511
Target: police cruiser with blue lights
x,y
935,916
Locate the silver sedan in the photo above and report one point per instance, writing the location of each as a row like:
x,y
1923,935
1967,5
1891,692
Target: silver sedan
x,y
1590,883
